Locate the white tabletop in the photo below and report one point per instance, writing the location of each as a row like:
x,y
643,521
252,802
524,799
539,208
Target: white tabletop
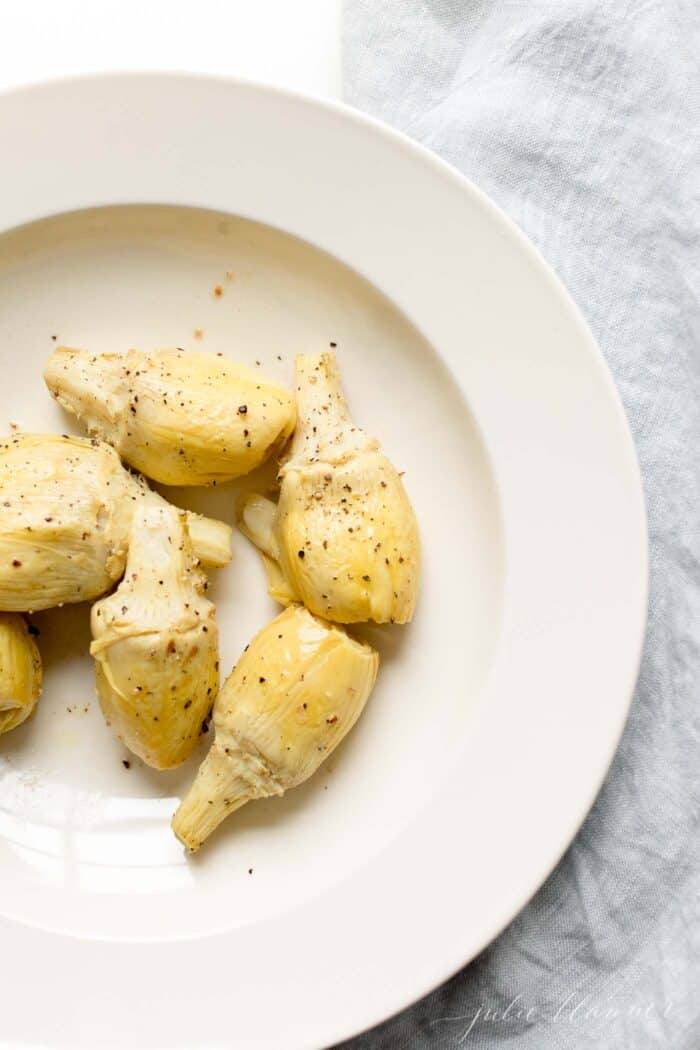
x,y
293,44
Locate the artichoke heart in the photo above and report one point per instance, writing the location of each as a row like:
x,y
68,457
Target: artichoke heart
x,y
20,672
155,642
66,507
342,538
181,417
295,693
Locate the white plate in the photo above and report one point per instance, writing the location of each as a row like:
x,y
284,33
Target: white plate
x,y
497,712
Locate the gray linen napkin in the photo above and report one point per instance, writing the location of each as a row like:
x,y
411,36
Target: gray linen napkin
x,y
581,118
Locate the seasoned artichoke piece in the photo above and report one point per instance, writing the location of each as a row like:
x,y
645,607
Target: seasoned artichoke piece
x,y
155,642
20,672
181,417
296,691
66,506
343,537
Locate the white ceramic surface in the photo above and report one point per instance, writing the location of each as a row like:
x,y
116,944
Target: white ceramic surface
x,y
497,711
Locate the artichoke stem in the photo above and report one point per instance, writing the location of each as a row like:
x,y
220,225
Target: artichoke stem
x,y
84,385
257,522
224,783
324,422
211,540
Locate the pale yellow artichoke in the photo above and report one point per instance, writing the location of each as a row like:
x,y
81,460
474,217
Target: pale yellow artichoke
x,y
155,642
295,693
181,417
66,508
20,672
343,538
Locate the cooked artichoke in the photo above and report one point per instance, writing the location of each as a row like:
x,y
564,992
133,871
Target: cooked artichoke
x,y
295,693
20,672
180,417
66,506
343,537
155,642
